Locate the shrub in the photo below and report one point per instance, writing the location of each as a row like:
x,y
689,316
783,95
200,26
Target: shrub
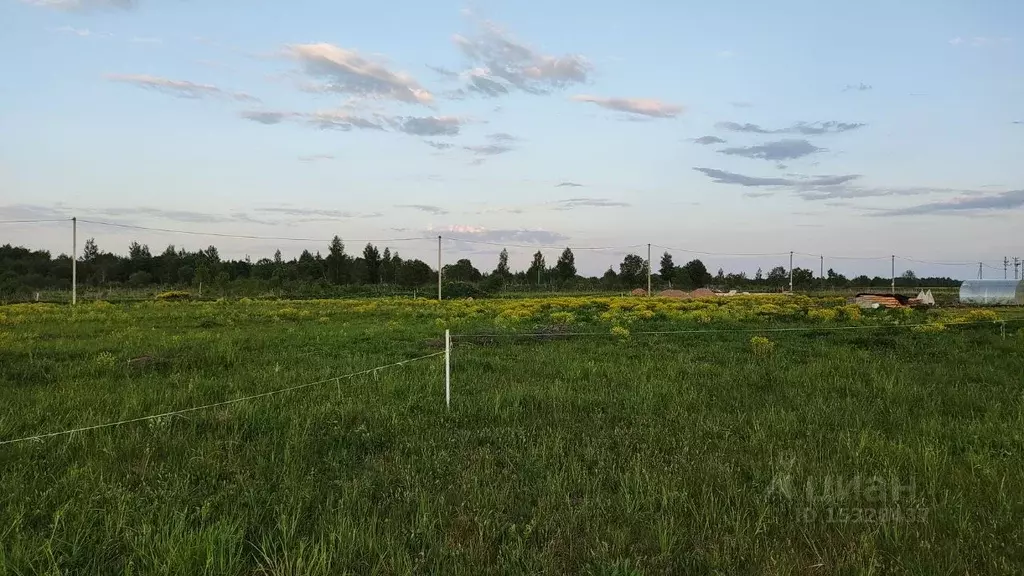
x,y
823,314
105,361
460,290
562,318
620,332
173,295
761,345
980,316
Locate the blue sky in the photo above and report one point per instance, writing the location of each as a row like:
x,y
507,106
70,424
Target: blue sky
x,y
729,127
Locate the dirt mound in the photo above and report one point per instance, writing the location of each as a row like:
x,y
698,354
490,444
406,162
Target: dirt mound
x,y
639,292
702,293
673,294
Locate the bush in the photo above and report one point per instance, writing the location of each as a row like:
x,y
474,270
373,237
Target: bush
x,y
140,279
822,314
173,295
452,290
761,345
620,332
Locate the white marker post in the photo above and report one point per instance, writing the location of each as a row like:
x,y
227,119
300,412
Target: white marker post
x,y
447,369
74,260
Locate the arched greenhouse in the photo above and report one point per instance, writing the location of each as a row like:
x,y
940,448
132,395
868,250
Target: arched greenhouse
x,y
992,292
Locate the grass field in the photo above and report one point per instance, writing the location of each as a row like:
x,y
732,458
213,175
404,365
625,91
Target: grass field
x,y
762,436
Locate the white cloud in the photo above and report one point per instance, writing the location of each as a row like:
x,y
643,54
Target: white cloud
x,y
502,63
179,88
346,71
83,5
643,106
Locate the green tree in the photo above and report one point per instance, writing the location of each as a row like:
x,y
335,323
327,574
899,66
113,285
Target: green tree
x,y
803,278
566,266
371,259
778,277
631,271
462,271
414,273
387,267
537,267
609,280
336,262
694,274
138,251
668,268
502,269
91,251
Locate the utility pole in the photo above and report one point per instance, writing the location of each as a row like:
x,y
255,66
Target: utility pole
x,y
1016,266
892,288
74,261
438,267
822,273
648,269
981,274
791,271
1006,264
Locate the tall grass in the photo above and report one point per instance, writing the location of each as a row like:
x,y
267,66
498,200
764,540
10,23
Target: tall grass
x,y
595,454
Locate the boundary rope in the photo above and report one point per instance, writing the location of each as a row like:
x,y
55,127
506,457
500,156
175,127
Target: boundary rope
x,y
215,404
724,330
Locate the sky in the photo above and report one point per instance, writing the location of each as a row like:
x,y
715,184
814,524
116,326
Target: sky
x,y
732,131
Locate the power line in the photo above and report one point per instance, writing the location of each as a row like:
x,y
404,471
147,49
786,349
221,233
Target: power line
x,y
830,257
933,263
540,246
722,253
34,221
240,236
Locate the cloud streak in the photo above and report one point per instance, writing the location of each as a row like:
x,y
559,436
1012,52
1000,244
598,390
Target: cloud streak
x,y
643,106
573,203
489,149
428,125
1008,200
503,64
346,71
316,214
511,236
429,208
804,128
709,140
775,151
724,177
84,5
825,187
179,88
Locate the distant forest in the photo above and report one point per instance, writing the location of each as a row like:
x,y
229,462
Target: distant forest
x,y
24,272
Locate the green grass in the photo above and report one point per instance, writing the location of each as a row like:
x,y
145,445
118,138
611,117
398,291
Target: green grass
x,y
685,453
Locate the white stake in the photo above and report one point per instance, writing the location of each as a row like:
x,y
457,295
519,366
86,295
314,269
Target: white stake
x,y
74,261
447,369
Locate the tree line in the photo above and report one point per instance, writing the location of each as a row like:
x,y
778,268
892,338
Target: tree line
x,y
23,271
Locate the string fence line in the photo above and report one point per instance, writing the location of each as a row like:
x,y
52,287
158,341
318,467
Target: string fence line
x,y
216,404
725,330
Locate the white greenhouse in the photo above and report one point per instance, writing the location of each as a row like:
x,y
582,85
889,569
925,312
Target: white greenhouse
x,y
992,292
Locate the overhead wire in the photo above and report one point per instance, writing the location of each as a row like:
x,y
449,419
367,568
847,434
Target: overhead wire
x,y
242,236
